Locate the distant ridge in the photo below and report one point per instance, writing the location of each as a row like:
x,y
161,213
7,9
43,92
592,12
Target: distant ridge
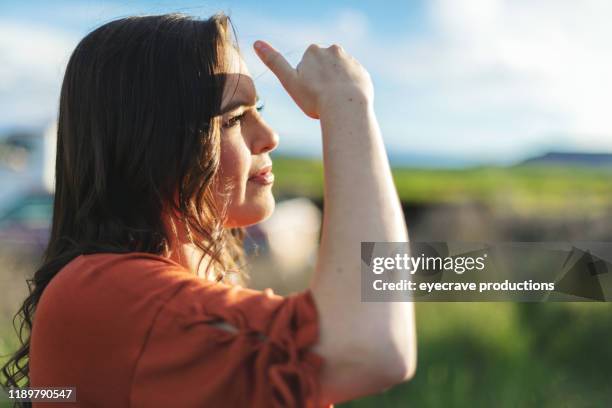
x,y
572,158
397,158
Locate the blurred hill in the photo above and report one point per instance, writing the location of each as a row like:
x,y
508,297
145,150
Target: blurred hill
x,y
572,159
541,191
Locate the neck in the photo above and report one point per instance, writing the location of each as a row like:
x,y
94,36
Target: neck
x,y
181,249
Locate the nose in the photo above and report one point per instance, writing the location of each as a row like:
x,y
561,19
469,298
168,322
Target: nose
x,y
264,139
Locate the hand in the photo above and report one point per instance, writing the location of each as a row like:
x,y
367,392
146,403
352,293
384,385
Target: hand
x,y
324,78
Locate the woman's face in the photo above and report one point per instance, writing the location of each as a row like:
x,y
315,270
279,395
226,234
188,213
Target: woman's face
x,y
246,141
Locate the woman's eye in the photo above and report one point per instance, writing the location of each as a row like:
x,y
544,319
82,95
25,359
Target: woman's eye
x,y
236,120
233,121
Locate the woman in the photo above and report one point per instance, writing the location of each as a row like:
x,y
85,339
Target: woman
x,y
162,158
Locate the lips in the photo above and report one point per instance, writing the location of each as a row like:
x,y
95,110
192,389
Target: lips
x,y
263,176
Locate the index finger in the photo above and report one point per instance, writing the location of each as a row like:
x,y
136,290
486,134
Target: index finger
x,y
274,60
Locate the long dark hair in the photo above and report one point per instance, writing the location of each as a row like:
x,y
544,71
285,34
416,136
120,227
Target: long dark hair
x,y
138,134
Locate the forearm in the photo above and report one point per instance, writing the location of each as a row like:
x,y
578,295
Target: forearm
x,y
361,204
366,346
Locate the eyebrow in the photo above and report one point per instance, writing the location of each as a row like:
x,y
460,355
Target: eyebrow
x,y
235,104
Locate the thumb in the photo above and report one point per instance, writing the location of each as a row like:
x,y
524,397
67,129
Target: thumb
x,y
273,59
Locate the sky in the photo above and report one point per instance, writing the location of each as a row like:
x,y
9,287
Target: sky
x,y
456,81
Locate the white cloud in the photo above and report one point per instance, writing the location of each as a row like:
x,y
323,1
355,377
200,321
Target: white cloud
x,y
33,61
555,54
485,78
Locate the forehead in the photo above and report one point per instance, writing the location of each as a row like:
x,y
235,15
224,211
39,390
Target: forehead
x,y
236,64
239,86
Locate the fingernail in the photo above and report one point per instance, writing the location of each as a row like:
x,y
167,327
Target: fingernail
x,y
260,46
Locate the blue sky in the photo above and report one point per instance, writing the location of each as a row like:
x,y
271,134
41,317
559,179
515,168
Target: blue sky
x,y
477,81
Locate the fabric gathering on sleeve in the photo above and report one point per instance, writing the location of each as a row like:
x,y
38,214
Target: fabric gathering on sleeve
x,y
264,360
138,330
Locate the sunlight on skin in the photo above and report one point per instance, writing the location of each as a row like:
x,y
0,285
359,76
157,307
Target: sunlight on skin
x,y
246,141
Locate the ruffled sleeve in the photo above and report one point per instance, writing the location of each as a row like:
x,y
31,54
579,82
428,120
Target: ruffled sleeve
x,y
212,344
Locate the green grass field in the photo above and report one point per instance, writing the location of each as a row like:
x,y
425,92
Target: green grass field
x,y
498,354
525,190
508,355
490,354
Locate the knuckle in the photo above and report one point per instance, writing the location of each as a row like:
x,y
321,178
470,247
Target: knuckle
x,y
312,48
365,72
337,49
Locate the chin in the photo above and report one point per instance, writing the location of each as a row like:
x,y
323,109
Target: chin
x,y
250,212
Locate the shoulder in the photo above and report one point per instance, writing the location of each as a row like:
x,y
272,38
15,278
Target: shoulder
x,y
106,283
130,275
110,292
100,302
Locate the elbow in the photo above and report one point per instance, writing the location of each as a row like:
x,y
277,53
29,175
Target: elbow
x,y
399,351
411,372
408,370
409,359
360,369
397,367
401,358
395,356
392,365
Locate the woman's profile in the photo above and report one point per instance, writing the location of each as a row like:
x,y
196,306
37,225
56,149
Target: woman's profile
x,y
162,159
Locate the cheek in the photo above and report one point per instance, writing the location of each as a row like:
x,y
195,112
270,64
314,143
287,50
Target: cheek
x,y
235,162
248,203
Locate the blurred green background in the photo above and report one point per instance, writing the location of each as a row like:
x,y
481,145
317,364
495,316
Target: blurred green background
x,y
470,354
499,354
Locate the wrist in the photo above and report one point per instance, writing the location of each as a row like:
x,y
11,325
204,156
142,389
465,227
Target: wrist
x,y
345,98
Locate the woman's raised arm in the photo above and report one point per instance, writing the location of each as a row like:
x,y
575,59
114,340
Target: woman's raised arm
x,y
367,346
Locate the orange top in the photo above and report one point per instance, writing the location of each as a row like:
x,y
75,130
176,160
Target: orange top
x,y
134,330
